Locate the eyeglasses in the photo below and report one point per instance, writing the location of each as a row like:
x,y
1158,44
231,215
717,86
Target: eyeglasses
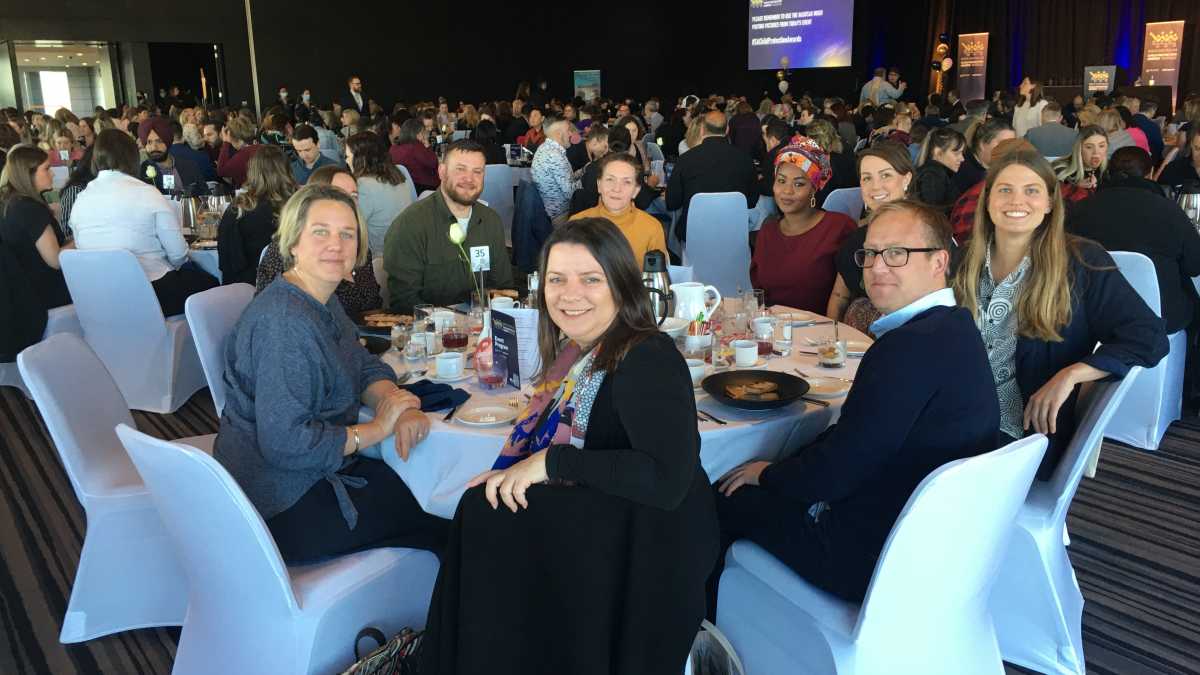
x,y
893,256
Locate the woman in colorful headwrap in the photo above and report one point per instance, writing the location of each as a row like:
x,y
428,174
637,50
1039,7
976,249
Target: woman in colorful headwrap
x,y
587,548
794,255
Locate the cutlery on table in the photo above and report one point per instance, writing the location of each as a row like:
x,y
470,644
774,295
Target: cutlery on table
x,y
815,401
450,415
711,416
803,374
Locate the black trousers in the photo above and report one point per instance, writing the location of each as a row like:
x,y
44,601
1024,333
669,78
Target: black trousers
x,y
174,287
388,515
785,529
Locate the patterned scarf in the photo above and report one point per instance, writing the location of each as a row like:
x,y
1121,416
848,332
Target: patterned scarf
x,y
559,409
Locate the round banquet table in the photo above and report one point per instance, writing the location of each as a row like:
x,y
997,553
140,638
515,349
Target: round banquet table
x,y
437,470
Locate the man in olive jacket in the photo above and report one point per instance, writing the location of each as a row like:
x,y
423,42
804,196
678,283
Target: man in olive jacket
x,y
423,265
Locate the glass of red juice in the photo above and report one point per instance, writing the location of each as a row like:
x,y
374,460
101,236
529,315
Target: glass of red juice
x,y
490,372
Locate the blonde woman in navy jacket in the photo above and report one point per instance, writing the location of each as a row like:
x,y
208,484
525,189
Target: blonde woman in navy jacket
x,y
1042,300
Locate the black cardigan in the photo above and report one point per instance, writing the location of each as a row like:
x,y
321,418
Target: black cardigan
x,y
934,185
1104,309
241,238
1162,233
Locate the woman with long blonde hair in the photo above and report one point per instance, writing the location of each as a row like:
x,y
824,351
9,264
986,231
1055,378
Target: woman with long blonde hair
x,y
1043,299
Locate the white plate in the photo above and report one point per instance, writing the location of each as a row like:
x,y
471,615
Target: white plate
x,y
760,363
432,375
486,415
857,347
826,387
674,326
801,316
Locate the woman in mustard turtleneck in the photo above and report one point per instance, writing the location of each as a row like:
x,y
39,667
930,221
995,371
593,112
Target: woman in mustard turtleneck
x,y
619,182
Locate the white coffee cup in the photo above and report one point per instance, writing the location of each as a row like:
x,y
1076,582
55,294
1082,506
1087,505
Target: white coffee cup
x,y
696,367
442,319
449,365
503,302
745,353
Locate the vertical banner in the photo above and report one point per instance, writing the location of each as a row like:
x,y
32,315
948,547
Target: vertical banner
x,y
1160,57
1098,80
587,84
972,66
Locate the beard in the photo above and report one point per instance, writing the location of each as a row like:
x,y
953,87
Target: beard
x,y
460,197
157,157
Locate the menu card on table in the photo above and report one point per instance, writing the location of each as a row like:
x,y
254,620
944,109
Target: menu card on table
x,y
514,340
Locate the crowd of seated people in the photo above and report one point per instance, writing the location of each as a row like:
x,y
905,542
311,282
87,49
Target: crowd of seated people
x,y
982,243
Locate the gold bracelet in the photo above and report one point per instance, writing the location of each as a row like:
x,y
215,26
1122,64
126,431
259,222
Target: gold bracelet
x,y
357,441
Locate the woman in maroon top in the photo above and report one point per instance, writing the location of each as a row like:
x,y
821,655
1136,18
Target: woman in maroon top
x,y
794,254
412,151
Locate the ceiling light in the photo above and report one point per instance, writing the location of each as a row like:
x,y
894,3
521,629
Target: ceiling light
x,y
60,56
85,63
42,58
78,53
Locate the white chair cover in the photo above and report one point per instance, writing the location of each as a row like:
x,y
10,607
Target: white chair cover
x,y
247,612
412,187
845,200
955,526
211,316
498,193
460,134
1037,605
381,278
59,176
1156,399
58,320
423,195
152,359
717,240
128,576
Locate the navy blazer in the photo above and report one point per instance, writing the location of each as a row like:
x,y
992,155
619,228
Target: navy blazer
x,y
1105,309
923,396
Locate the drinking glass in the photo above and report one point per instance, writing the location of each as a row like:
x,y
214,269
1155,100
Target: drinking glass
x,y
764,334
490,372
400,336
721,352
783,340
416,358
457,334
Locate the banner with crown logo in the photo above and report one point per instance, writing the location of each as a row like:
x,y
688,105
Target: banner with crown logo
x,y
1099,79
1160,56
972,66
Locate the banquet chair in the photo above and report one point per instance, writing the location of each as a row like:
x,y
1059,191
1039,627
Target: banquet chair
x,y
531,227
718,240
211,316
1036,604
59,176
460,135
955,526
152,358
498,193
423,195
128,576
58,320
247,611
845,200
1156,399
412,187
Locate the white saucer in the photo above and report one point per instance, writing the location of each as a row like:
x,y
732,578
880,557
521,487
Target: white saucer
x,y
433,376
826,387
761,363
486,415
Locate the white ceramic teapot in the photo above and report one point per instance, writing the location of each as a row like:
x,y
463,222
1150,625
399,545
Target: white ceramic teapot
x,y
691,300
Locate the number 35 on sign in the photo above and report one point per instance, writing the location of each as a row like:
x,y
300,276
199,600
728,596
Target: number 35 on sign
x,y
481,259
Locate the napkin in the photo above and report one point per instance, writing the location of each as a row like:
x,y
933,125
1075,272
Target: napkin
x,y
436,396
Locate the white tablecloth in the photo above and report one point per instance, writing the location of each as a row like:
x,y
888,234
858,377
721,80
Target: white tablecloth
x,y
438,470
207,260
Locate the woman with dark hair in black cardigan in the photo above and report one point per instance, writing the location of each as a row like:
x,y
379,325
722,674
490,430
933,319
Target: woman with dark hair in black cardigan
x,y
586,549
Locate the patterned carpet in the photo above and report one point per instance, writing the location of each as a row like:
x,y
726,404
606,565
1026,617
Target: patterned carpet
x,y
1135,544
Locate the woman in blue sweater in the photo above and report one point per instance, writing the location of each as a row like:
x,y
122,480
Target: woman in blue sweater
x,y
1042,300
296,378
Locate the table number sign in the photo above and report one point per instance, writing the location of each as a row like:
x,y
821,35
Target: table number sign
x,y
481,259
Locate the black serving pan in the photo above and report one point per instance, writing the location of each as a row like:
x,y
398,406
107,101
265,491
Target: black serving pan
x,y
790,389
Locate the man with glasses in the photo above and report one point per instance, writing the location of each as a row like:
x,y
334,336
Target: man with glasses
x,y
923,396
354,98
